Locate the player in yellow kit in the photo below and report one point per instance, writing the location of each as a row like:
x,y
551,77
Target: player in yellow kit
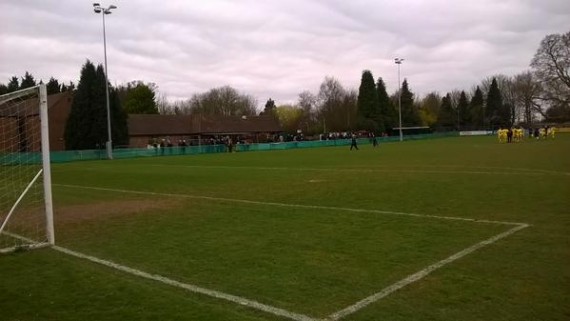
x,y
519,134
502,135
552,132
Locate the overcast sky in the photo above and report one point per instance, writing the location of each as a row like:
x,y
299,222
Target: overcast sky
x,y
278,48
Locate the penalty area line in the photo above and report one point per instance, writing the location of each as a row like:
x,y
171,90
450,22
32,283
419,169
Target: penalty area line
x,y
162,279
348,310
380,169
420,275
189,287
318,207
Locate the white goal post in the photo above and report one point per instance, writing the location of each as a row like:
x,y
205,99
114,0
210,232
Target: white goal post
x,y
26,211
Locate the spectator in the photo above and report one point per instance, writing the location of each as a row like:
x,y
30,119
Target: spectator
x,y
162,146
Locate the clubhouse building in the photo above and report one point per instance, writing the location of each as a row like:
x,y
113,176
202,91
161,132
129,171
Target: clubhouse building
x,y
144,130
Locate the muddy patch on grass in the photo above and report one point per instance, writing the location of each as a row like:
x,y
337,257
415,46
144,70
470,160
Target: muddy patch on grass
x,y
73,214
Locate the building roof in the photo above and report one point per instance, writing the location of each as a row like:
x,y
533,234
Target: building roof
x,y
29,107
164,125
236,125
158,125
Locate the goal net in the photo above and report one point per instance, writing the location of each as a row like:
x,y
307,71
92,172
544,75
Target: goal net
x,y
26,215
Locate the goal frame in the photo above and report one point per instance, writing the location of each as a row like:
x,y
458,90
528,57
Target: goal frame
x,y
45,171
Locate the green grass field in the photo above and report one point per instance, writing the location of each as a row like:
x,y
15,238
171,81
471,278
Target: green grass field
x,y
309,231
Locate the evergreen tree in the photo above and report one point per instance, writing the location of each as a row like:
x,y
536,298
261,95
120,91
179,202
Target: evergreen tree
x,y
119,129
446,117
270,108
3,89
84,118
388,112
140,100
119,125
410,113
69,87
464,114
495,109
53,86
505,115
559,113
368,105
477,109
27,81
86,127
13,84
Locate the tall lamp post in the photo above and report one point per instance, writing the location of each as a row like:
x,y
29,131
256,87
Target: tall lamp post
x,y
398,61
105,11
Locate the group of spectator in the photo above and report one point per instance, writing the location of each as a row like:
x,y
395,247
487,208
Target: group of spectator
x,y
166,144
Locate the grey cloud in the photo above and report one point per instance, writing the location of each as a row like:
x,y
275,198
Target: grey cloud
x,y
279,48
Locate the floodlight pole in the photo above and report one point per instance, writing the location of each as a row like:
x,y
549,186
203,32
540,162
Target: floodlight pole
x,y
109,144
398,61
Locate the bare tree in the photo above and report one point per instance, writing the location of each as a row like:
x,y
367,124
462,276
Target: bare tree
x,y
329,100
164,107
336,107
224,101
308,103
182,107
551,64
454,98
527,91
508,91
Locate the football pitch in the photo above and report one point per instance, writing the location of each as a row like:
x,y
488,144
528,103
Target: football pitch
x,y
458,228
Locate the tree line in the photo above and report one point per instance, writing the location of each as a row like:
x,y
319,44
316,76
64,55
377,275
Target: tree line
x,y
53,86
543,92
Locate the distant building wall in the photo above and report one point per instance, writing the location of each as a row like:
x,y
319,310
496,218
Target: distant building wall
x,y
57,115
22,131
8,131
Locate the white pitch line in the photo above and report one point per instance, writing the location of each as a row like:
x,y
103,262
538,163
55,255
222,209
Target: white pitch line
x,y
420,275
284,313
514,169
189,287
31,243
375,169
332,208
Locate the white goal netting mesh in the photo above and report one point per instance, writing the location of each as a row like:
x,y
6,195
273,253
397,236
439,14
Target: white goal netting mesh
x,y
23,222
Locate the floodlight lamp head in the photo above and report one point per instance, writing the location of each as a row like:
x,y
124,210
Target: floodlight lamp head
x,y
96,4
112,7
107,11
97,10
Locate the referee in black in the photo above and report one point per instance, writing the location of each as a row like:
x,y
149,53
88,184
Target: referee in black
x,y
353,142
